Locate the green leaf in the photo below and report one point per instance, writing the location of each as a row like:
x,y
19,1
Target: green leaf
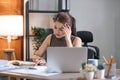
x,y
100,66
39,36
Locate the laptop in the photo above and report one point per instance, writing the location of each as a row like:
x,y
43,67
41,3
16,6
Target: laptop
x,y
65,59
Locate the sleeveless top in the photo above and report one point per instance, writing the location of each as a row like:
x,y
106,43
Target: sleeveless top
x,y
59,42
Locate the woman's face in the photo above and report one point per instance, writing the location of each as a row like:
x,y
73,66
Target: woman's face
x,y
58,29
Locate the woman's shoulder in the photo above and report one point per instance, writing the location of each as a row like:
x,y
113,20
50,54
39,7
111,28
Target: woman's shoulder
x,y
49,36
76,38
48,39
77,41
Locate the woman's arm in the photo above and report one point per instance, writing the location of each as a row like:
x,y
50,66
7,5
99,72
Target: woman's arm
x,y
37,57
77,42
44,46
69,42
67,31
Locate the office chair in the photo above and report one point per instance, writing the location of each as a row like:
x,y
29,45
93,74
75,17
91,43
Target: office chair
x,y
87,37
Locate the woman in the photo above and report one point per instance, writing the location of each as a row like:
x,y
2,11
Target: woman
x,y
64,35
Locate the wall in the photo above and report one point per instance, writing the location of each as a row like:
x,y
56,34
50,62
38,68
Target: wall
x,y
12,7
117,32
102,17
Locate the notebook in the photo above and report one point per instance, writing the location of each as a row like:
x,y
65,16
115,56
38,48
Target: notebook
x,y
65,59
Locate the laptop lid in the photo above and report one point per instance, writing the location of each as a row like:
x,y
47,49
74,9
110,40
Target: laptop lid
x,y
65,59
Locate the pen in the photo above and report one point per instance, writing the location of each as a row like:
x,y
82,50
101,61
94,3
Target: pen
x,y
105,60
111,61
32,68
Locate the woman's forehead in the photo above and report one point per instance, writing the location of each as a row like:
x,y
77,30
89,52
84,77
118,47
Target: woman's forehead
x,y
58,24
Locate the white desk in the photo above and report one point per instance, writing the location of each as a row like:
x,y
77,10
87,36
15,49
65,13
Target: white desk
x,y
36,77
37,74
62,76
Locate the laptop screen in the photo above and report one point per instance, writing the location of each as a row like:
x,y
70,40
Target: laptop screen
x,y
66,59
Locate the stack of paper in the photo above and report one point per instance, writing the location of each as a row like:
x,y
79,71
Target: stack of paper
x,y
37,70
4,65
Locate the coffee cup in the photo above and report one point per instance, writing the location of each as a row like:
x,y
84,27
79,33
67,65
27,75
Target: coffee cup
x,y
93,61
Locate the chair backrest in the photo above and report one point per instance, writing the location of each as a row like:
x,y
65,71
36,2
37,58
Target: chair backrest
x,y
87,37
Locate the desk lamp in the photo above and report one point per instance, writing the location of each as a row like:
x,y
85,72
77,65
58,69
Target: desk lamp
x,y
10,27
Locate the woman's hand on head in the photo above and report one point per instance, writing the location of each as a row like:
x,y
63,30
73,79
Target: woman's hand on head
x,y
67,31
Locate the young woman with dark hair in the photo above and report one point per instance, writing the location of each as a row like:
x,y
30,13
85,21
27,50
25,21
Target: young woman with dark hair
x,y
64,36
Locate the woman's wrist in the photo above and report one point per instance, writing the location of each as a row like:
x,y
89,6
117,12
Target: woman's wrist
x,y
36,53
39,56
69,43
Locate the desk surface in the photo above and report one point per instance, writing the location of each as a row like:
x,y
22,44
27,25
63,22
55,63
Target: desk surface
x,y
56,76
20,74
36,77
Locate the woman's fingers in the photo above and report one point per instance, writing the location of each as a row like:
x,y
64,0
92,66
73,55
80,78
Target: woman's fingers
x,y
67,26
41,62
37,62
67,31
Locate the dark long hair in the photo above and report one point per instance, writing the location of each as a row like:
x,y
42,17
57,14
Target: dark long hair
x,y
65,17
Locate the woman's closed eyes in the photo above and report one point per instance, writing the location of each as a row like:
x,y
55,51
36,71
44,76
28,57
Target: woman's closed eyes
x,y
61,28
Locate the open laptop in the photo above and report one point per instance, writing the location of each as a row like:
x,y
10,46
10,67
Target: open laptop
x,y
65,59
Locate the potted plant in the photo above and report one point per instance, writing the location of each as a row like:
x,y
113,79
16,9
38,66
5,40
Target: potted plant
x,y
89,71
39,36
100,71
83,65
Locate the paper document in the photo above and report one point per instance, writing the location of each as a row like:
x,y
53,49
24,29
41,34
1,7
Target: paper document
x,y
37,70
4,65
